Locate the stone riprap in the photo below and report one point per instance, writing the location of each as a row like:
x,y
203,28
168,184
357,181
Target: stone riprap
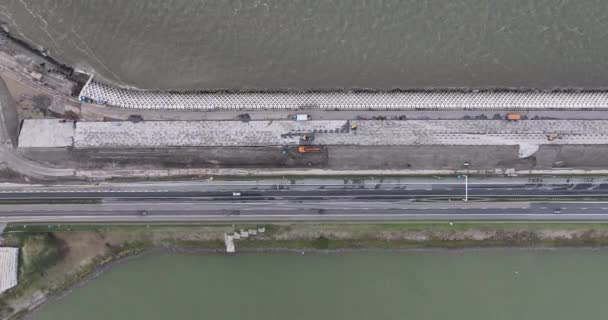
x,y
407,100
8,268
155,134
528,134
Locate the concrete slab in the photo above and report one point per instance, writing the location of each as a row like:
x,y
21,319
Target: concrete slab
x,y
46,133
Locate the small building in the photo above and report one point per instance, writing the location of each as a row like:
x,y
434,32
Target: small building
x,y
8,268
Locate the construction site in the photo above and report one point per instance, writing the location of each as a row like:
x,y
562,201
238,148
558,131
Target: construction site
x,y
58,122
332,144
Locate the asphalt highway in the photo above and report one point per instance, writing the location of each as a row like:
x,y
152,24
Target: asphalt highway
x,y
311,202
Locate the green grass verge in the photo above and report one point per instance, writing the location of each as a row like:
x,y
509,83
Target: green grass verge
x,y
62,227
361,227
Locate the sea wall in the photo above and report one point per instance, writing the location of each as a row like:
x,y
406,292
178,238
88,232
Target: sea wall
x,y
439,99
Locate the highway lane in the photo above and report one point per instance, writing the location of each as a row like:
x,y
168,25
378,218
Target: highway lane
x,y
380,210
282,191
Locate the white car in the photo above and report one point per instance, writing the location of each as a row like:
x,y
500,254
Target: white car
x,y
236,194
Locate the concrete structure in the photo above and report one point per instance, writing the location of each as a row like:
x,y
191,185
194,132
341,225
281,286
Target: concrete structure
x,y
229,242
140,99
8,268
528,135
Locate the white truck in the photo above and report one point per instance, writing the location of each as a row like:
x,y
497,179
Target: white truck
x,y
300,117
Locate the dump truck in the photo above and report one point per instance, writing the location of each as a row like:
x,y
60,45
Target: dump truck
x,y
305,149
513,116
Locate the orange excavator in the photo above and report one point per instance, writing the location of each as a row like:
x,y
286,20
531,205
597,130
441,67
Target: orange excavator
x,y
305,149
513,117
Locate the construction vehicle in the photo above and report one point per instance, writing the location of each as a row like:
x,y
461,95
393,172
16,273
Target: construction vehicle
x,y
513,116
551,137
305,137
305,149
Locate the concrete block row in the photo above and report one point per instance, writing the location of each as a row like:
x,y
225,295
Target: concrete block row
x,y
409,100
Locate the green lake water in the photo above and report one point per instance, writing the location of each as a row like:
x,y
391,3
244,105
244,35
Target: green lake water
x,y
501,284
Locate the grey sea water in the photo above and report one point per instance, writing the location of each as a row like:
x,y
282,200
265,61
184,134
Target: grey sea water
x,y
205,44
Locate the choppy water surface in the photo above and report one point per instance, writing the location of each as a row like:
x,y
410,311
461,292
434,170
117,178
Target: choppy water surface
x,y
565,284
186,44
